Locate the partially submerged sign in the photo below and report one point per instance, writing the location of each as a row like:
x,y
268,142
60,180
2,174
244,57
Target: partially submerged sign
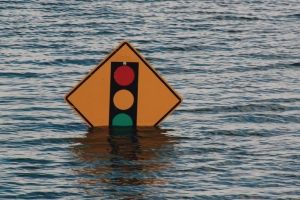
x,y
123,90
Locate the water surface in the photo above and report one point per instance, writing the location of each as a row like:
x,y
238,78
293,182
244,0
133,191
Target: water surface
x,y
235,63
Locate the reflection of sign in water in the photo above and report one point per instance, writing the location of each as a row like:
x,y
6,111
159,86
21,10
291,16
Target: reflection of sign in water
x,y
125,156
123,90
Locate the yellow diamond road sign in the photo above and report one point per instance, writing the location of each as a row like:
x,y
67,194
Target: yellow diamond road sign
x,y
123,90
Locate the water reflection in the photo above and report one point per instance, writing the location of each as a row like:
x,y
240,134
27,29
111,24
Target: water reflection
x,y
124,157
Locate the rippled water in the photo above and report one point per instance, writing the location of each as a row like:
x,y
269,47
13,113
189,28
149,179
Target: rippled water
x,y
235,63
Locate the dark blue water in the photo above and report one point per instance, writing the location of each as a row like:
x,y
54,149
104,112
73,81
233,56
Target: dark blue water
x,y
235,63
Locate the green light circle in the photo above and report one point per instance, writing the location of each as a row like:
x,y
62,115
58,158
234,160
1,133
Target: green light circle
x,y
122,120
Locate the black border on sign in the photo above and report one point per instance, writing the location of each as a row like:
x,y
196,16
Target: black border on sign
x,y
102,63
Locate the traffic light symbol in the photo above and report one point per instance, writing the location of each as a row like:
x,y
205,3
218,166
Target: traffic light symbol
x,y
123,94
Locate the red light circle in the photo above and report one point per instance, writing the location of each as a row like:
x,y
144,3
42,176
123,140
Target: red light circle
x,y
124,75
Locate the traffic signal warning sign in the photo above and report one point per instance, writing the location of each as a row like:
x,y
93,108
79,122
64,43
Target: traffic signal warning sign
x,y
123,90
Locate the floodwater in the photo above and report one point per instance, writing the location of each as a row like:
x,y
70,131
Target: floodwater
x,y
235,63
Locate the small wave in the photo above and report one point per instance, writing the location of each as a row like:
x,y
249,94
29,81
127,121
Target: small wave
x,y
19,75
294,15
263,67
236,18
241,108
262,118
296,64
84,62
27,160
241,133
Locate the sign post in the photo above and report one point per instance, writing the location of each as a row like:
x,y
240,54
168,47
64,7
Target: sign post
x,y
123,90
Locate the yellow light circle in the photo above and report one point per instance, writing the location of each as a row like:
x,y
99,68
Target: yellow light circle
x,y
123,99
